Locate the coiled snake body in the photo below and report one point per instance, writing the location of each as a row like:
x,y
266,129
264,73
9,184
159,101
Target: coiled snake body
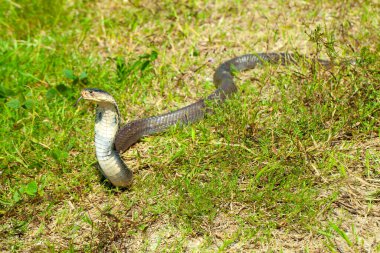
x,y
111,140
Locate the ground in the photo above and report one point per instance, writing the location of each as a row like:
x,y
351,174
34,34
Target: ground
x,y
290,163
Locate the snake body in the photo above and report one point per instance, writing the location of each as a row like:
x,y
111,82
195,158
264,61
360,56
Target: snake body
x,y
111,140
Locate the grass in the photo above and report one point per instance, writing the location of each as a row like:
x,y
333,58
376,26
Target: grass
x,y
290,162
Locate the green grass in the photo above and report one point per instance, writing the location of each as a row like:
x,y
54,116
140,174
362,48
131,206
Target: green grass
x,y
289,162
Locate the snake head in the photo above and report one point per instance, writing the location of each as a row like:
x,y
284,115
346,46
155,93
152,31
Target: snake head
x,y
97,96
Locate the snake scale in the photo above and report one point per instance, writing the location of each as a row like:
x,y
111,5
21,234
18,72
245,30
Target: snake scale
x,y
111,139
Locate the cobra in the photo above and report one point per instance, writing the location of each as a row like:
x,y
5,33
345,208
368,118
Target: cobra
x,y
111,139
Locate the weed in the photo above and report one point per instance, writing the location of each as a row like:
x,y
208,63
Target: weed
x,y
290,161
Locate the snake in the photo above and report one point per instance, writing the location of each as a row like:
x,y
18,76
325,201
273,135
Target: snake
x,y
112,139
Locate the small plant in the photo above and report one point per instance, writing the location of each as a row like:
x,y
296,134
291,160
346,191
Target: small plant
x,y
69,74
272,168
24,191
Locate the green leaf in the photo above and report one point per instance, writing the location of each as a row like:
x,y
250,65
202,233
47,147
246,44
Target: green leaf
x,y
4,92
341,233
29,104
61,88
143,227
68,73
14,104
82,76
144,65
234,70
153,55
87,219
195,52
51,93
59,154
16,196
31,188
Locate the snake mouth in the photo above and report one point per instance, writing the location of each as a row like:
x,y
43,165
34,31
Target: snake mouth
x,y
86,94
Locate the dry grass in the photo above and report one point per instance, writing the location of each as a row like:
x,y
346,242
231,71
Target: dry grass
x,y
243,180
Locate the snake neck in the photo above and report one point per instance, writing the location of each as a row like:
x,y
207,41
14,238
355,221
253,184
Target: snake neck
x,y
106,128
